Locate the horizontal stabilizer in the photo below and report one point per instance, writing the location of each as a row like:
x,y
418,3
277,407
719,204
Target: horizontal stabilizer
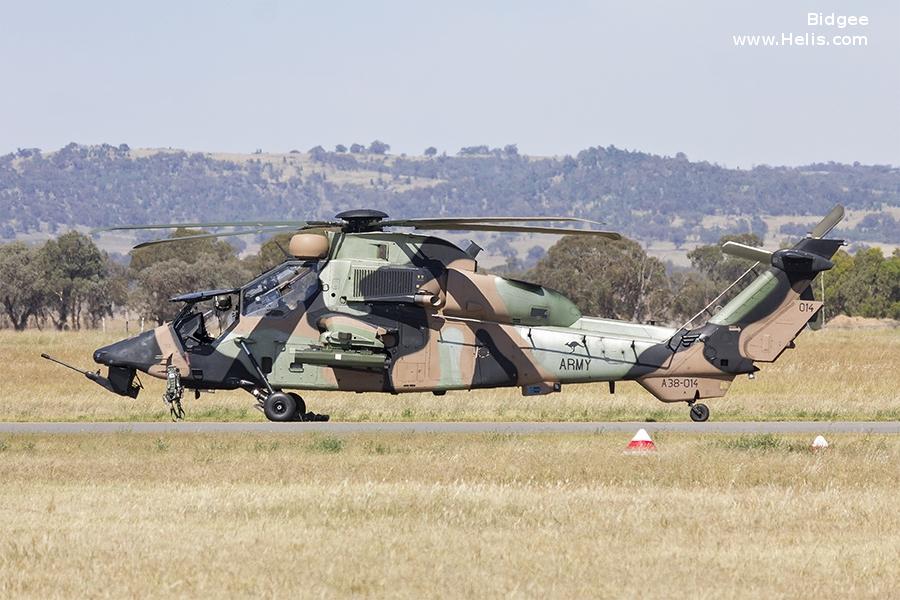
x,y
748,252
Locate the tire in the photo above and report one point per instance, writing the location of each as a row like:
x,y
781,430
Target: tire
x,y
699,413
280,407
300,411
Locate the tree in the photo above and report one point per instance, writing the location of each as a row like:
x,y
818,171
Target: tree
x,y
839,295
74,279
614,279
357,149
179,268
21,283
535,253
430,151
866,284
691,292
340,148
720,268
142,258
118,283
271,253
379,147
159,282
474,150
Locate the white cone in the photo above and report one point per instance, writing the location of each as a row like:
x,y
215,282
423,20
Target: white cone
x,y
820,443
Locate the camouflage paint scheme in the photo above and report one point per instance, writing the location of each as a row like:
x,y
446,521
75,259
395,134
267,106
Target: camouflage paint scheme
x,y
401,312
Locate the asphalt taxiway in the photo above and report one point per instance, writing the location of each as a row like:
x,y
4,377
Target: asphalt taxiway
x,y
727,427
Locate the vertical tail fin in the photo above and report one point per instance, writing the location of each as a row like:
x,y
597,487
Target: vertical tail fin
x,y
757,325
772,310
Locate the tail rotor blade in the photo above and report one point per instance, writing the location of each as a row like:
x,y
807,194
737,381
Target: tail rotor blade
x,y
828,223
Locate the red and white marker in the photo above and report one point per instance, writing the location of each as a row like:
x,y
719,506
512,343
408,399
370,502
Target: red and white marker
x,y
641,442
820,443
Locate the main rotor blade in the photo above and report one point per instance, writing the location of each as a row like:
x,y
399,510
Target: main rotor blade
x,y
475,220
827,224
297,224
517,229
320,225
189,238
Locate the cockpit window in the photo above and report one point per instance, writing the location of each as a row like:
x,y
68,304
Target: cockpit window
x,y
200,323
281,290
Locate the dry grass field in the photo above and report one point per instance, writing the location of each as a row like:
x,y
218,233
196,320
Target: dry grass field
x,y
832,374
453,515
131,515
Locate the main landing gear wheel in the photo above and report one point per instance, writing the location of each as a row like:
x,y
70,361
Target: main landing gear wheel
x,y
300,411
280,407
699,412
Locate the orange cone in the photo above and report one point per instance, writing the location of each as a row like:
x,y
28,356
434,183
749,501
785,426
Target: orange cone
x,y
641,442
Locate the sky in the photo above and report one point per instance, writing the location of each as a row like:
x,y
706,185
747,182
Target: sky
x,y
552,77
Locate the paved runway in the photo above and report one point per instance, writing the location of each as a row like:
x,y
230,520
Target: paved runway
x,y
737,427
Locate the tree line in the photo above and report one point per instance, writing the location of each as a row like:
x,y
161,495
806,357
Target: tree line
x,y
645,196
69,283
619,280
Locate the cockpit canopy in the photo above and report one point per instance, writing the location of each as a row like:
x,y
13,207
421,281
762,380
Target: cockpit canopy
x,y
209,314
281,290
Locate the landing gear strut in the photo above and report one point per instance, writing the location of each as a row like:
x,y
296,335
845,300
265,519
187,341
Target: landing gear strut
x,y
699,412
277,405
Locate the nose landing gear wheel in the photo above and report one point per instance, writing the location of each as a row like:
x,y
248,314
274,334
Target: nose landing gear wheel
x,y
280,407
699,412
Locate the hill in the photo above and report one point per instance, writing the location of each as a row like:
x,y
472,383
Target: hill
x,y
669,201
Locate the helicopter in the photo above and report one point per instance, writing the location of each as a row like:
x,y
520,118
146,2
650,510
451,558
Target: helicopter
x,y
359,307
